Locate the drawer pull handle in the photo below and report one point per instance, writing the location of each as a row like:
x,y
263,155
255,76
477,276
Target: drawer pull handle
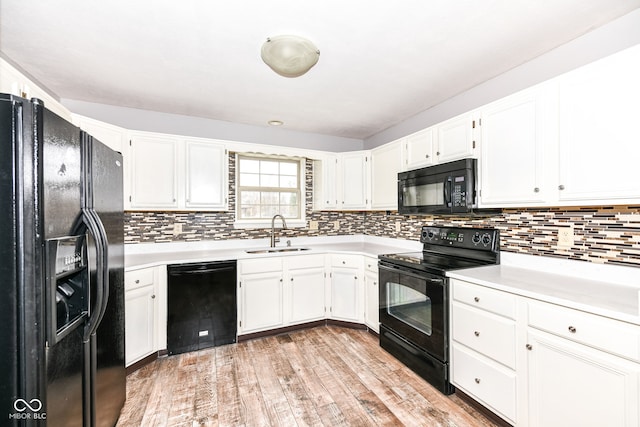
x,y
476,333
572,329
477,380
476,299
137,281
529,347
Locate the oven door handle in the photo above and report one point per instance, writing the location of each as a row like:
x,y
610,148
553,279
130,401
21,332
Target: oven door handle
x,y
424,276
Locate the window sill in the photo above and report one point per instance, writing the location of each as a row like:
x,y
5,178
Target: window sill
x,y
291,223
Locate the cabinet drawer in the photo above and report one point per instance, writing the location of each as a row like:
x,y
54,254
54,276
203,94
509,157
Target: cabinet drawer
x,y
138,278
491,384
486,333
371,265
606,334
262,265
305,261
497,302
353,261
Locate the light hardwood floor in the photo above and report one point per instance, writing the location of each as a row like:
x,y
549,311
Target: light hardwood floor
x,y
324,376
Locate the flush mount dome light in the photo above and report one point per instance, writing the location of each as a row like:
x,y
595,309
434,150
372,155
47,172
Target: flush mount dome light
x,y
289,56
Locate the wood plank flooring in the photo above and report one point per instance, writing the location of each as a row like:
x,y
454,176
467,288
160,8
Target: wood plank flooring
x,y
325,376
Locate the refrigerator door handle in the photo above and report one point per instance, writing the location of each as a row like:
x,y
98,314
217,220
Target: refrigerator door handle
x,y
95,227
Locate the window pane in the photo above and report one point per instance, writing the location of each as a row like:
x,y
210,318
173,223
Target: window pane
x,y
269,180
249,180
287,181
287,168
250,212
268,211
269,167
250,198
288,199
289,211
268,198
247,165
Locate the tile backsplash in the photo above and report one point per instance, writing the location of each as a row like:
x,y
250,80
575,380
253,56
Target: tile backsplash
x,y
604,234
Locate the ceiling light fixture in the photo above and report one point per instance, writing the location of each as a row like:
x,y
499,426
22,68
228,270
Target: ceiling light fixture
x,y
275,122
289,56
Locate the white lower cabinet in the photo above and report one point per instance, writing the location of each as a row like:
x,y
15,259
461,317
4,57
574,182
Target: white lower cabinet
x,y
372,297
260,294
539,364
483,348
347,288
305,284
142,313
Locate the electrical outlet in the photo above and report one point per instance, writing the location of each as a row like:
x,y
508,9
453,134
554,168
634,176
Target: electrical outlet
x,y
177,228
565,236
336,224
313,225
398,226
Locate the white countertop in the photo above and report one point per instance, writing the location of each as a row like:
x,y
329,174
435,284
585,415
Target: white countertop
x,y
611,291
153,254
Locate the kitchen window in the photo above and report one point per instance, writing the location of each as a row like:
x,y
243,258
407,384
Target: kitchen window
x,y
266,186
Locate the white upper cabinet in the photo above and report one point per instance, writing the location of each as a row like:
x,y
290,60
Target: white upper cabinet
x,y
112,136
386,162
205,175
354,174
599,144
456,138
325,183
176,173
515,131
420,149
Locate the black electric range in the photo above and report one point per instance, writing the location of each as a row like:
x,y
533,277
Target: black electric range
x,y
414,296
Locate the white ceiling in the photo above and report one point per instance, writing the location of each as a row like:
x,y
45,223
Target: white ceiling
x,y
380,63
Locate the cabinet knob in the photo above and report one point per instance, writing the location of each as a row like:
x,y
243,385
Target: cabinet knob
x,y
560,187
437,153
476,299
327,202
529,347
153,296
426,157
476,333
572,329
292,279
477,380
174,200
536,190
375,283
137,281
280,280
344,262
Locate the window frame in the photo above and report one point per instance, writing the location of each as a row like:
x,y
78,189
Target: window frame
x,y
299,190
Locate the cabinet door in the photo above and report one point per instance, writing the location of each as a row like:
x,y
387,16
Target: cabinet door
x,y
372,297
139,323
386,162
515,131
455,138
325,183
599,147
205,174
261,302
307,295
419,149
571,384
354,173
153,172
346,296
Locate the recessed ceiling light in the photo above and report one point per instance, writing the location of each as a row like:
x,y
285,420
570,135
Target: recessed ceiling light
x,y
275,122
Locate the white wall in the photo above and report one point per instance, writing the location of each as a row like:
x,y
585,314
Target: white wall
x,y
606,40
135,119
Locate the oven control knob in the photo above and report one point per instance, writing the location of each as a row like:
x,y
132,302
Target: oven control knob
x,y
486,239
476,239
429,234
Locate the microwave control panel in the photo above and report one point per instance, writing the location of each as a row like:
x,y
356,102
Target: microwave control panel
x,y
458,191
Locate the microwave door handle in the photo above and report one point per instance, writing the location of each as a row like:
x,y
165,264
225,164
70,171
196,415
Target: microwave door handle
x,y
447,192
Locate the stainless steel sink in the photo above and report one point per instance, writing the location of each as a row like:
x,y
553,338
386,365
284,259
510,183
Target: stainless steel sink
x,y
275,250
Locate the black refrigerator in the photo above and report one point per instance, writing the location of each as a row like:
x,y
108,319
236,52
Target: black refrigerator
x,y
62,269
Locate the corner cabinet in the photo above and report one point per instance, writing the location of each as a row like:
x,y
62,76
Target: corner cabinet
x,y
386,162
354,186
172,173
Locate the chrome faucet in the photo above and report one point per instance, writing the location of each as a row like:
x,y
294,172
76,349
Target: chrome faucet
x,y
273,230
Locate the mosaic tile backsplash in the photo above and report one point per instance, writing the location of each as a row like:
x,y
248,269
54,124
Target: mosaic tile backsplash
x,y
605,234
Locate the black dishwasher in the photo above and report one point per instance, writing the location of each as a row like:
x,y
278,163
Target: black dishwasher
x,y
201,308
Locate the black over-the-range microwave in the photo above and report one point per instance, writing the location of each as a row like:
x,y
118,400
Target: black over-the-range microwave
x,y
447,189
